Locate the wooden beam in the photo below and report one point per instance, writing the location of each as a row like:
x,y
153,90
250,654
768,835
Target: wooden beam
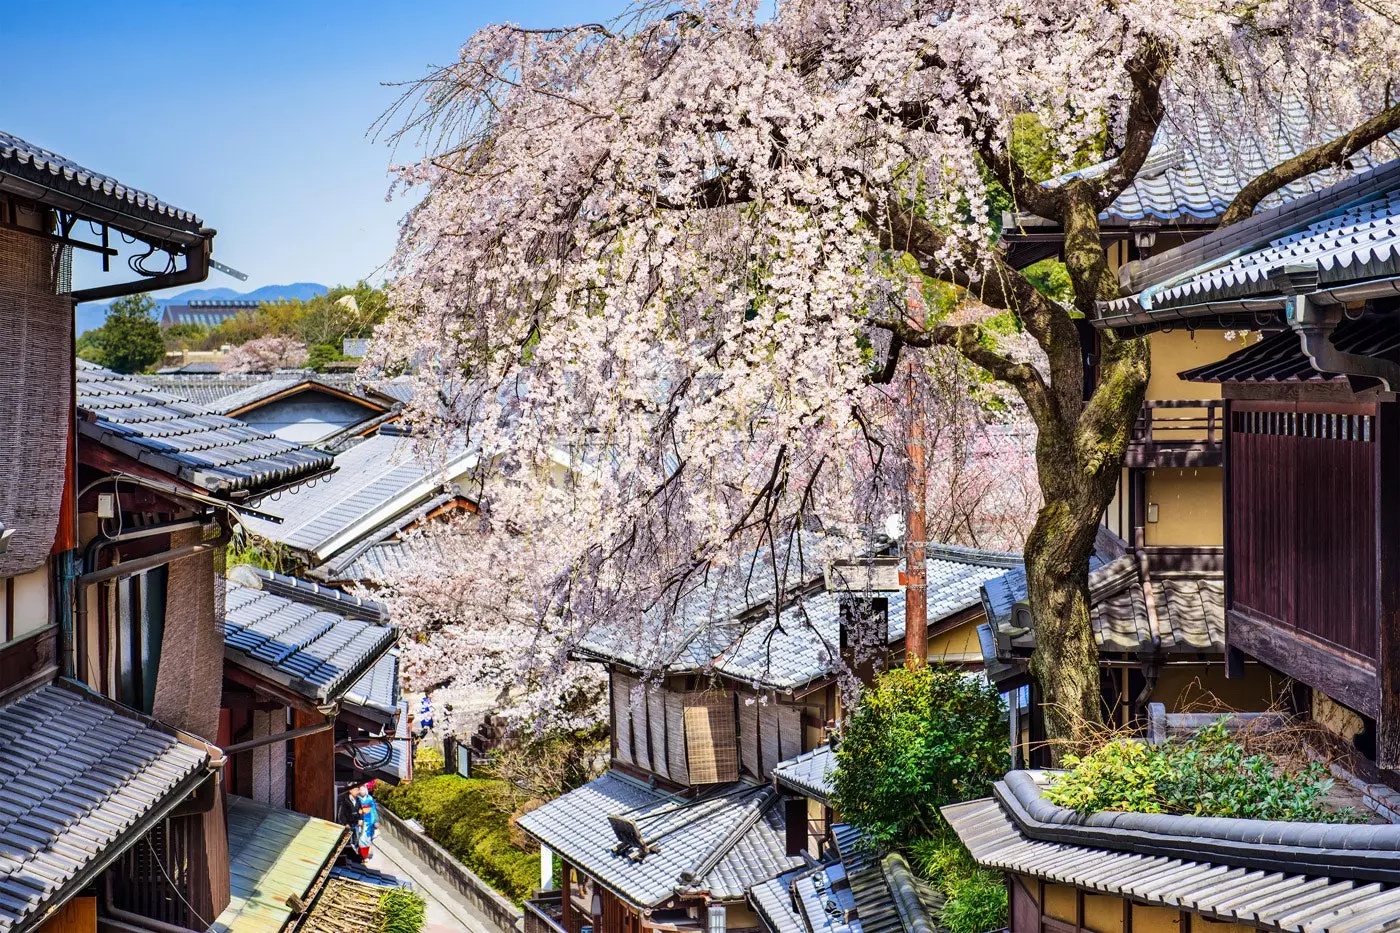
x,y
1348,679
313,768
1387,452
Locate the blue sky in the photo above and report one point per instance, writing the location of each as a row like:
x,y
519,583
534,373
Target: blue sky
x,y
252,114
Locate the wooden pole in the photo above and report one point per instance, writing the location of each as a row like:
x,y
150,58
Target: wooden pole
x,y
915,569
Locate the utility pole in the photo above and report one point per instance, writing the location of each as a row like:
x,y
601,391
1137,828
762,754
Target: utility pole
x,y
915,532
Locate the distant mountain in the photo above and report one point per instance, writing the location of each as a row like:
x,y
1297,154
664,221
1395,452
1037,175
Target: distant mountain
x,y
91,314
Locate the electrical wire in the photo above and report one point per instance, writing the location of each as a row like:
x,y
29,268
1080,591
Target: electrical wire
x,y
173,886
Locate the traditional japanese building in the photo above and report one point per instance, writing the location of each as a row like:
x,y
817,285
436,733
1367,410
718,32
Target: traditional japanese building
x,y
115,511
296,405
1308,520
718,757
1115,872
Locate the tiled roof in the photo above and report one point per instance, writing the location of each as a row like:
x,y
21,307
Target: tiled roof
x,y
83,778
801,643
1191,175
858,892
375,481
719,844
275,856
311,593
1228,891
390,759
315,652
809,774
1280,357
36,165
1189,604
376,694
1361,242
258,390
213,390
162,430
377,555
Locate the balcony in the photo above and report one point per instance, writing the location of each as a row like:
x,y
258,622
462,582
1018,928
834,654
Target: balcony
x,y
1178,433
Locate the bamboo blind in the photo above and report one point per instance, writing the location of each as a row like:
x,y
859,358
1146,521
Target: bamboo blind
x,y
36,377
711,744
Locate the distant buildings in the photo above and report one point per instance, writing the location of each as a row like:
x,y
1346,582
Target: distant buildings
x,y
206,313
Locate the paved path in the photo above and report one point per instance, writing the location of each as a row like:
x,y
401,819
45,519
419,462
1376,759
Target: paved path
x,y
448,912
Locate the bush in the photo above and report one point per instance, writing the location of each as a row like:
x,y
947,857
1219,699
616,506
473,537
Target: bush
x,y
976,896
428,760
470,817
918,740
401,911
1209,774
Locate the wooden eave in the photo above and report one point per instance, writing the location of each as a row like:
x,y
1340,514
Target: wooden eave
x,y
308,386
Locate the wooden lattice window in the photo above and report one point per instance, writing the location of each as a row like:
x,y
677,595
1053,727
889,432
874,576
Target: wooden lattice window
x,y
711,741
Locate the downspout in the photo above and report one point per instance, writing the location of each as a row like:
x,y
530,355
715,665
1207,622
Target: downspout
x,y
129,920
1315,325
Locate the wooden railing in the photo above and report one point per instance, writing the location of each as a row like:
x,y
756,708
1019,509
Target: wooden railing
x,y
1178,432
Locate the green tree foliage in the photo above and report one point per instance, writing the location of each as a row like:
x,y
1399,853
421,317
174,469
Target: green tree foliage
x,y
185,337
976,896
401,911
1209,774
129,340
470,817
916,741
321,323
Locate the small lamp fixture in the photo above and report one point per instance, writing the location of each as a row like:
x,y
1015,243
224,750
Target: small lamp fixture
x,y
1144,235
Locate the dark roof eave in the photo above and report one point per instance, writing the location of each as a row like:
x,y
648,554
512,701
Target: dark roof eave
x,y
144,223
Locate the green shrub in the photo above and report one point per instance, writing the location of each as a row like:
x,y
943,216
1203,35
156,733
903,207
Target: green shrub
x,y
918,740
427,761
1209,774
976,896
401,911
469,817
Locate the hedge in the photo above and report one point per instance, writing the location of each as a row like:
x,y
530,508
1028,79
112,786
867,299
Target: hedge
x,y
468,817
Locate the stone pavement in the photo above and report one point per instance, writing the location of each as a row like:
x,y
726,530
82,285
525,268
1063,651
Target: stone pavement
x,y
448,912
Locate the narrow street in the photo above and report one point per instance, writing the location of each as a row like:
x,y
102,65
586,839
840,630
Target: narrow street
x,y
447,911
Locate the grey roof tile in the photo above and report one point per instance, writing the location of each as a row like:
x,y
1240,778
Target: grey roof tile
x,y
1189,606
40,166
720,843
375,481
216,453
720,630
1315,903
1358,243
809,774
54,825
318,653
376,694
1191,175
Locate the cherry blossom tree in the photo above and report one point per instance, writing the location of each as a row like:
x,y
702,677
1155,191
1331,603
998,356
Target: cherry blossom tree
x,y
677,249
265,355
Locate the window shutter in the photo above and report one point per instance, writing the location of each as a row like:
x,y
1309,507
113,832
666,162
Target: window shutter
x,y
622,717
675,746
768,727
656,721
748,738
712,755
789,731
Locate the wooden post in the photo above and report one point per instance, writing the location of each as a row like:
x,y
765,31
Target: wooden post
x,y
916,532
1387,453
313,779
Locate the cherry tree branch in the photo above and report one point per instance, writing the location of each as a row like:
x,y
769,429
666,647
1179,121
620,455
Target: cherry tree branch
x,y
1326,155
